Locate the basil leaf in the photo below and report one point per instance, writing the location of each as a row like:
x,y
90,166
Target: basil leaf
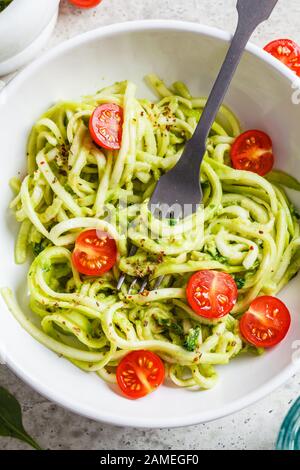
x,y
11,424
240,282
191,340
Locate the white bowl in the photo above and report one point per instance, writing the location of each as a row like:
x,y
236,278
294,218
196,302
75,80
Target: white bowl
x,y
260,95
25,26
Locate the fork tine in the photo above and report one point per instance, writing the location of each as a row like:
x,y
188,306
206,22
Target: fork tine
x,y
161,278
132,252
145,282
144,285
134,282
158,282
122,278
121,281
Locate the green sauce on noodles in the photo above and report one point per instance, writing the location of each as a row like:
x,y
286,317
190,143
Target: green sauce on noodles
x,y
249,229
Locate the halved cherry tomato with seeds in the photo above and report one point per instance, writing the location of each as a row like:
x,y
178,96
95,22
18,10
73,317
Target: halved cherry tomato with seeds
x,y
287,51
253,151
106,126
85,3
140,373
266,323
212,294
95,253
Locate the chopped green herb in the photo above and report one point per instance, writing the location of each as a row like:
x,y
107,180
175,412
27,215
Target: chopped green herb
x,y
254,267
295,213
37,248
205,185
218,257
248,349
173,222
174,327
190,342
240,282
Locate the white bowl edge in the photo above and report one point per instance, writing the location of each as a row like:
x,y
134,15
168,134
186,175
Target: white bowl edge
x,y
102,416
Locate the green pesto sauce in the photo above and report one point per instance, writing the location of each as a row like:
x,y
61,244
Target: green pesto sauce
x,y
4,4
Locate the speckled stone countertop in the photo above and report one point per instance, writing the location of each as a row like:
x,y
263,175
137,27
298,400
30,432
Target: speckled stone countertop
x,y
257,426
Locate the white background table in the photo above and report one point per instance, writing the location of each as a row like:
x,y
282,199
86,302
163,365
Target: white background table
x,y
257,426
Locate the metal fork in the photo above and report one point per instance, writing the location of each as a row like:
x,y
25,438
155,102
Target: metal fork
x,y
179,191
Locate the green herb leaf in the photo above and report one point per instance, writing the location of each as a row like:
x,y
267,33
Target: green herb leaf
x,y
176,328
295,213
172,326
11,424
205,185
173,222
191,339
37,248
218,257
240,282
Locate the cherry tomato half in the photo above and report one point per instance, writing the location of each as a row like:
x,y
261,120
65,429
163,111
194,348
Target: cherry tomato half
x,y
287,51
212,294
106,126
140,373
253,151
266,323
85,3
95,253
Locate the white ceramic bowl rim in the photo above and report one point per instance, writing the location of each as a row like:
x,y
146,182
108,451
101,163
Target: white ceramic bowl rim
x,y
102,415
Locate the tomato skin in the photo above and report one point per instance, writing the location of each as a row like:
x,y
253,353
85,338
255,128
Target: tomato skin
x,y
95,253
253,151
85,3
140,373
287,51
212,294
266,323
106,126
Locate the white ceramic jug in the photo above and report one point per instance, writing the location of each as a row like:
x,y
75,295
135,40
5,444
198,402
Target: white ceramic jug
x,y
25,26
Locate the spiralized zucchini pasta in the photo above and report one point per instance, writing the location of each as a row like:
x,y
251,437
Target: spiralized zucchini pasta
x,y
92,167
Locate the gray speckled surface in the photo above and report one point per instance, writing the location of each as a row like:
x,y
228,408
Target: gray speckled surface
x,y
257,426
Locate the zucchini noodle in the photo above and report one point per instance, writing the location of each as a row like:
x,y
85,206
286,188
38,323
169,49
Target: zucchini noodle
x,y
246,227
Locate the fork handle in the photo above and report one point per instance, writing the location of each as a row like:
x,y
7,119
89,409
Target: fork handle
x,y
251,14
